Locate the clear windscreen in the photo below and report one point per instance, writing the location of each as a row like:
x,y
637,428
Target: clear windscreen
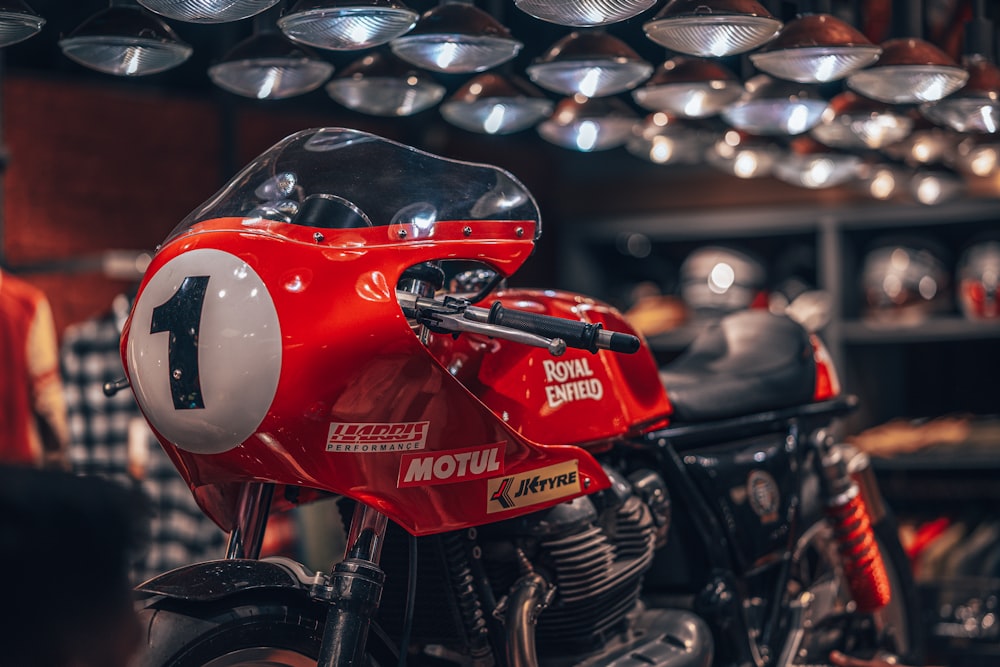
x,y
336,178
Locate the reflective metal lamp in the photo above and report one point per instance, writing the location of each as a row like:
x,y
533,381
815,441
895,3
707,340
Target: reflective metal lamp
x,y
591,63
380,84
772,106
743,155
456,37
712,28
976,106
347,25
125,40
267,66
978,156
853,122
663,139
208,11
18,22
909,71
810,164
926,144
689,87
583,13
816,48
494,104
936,184
589,124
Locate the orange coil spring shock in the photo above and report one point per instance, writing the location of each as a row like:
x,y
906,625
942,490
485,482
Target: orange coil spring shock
x,y
861,558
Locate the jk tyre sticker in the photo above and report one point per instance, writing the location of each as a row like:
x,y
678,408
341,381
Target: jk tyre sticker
x,y
533,487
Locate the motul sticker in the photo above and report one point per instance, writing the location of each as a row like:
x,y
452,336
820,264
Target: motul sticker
x,y
570,380
533,487
376,437
455,465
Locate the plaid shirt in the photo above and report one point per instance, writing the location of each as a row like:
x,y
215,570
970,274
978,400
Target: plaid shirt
x,y
109,437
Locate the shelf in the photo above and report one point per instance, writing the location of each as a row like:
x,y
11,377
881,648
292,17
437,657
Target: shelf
x,y
941,329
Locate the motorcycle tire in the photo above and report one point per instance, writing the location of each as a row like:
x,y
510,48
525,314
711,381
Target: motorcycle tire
x,y
244,631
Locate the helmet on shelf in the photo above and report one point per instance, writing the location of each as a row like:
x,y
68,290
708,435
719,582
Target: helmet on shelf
x,y
716,280
904,281
978,278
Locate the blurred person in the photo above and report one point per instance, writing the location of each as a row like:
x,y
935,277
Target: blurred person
x,y
65,546
33,429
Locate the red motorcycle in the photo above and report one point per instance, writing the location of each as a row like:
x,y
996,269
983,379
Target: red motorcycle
x,y
519,488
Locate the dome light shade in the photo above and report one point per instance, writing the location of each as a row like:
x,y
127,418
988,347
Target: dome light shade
x,y
816,48
771,106
125,41
852,122
927,145
583,13
456,37
380,84
584,124
977,156
266,66
937,184
689,87
592,63
663,139
974,108
712,28
18,22
493,104
347,25
208,11
909,71
811,165
743,155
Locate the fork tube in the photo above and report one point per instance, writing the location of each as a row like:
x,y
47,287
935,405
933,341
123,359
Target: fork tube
x,y
251,520
355,592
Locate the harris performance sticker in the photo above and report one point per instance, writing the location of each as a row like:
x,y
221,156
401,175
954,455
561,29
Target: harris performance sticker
x,y
361,438
533,487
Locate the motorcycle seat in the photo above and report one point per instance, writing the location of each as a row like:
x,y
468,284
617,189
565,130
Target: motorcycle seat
x,y
749,361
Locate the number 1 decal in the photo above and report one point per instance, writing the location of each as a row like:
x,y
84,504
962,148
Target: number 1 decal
x,y
180,316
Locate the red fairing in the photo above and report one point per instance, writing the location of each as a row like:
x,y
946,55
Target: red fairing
x,y
579,398
361,407
827,380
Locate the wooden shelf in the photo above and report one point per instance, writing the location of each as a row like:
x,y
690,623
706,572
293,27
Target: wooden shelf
x,y
940,329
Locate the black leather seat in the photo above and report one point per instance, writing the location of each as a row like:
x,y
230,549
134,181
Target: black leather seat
x,y
749,361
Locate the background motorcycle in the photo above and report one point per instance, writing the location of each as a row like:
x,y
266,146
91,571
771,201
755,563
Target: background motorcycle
x,y
505,497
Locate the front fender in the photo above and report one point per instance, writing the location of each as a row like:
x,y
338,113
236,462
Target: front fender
x,y
217,579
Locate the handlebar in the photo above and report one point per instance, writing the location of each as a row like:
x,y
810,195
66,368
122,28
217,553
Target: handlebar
x,y
452,315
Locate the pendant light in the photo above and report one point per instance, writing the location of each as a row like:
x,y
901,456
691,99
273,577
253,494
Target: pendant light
x,y
976,106
665,139
125,40
772,106
18,22
810,164
883,180
853,122
267,66
816,48
589,124
689,88
208,11
977,156
456,37
933,185
583,13
347,25
496,104
380,84
592,63
712,28
743,155
926,144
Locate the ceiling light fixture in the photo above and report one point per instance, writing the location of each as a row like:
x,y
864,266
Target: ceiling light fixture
x,y
689,87
495,104
810,164
712,28
591,63
347,25
925,145
208,11
456,37
816,48
743,155
589,124
853,122
125,40
909,71
977,156
267,66
380,84
583,13
18,22
937,184
772,106
663,139
882,180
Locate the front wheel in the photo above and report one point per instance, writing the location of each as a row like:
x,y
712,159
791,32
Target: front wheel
x,y
247,631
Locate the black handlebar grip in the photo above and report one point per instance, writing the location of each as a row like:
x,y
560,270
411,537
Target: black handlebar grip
x,y
621,342
576,334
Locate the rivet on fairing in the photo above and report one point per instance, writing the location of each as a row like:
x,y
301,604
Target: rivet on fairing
x,y
519,231
318,237
467,231
401,233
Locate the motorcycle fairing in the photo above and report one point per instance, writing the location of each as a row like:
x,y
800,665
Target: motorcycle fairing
x,y
355,362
